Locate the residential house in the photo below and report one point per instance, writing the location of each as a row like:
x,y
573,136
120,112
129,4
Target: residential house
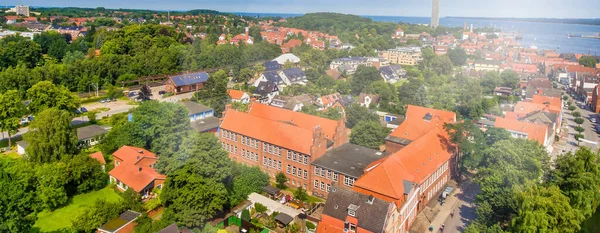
x,y
525,130
351,211
238,96
550,92
368,100
342,165
595,103
328,101
294,103
197,111
487,65
335,74
293,76
348,64
503,91
125,223
403,55
398,34
134,168
90,135
74,31
98,156
294,140
288,46
265,91
587,83
184,83
392,73
287,57
271,76
272,65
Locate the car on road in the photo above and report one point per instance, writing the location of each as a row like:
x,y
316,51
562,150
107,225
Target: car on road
x,y
77,111
83,110
162,92
102,101
593,119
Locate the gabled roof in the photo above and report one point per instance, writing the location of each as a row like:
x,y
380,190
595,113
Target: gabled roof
x,y
287,57
124,219
189,79
90,131
273,76
283,134
130,153
265,88
195,108
236,94
415,125
348,159
370,212
535,132
294,74
555,103
98,156
301,120
271,65
170,229
387,72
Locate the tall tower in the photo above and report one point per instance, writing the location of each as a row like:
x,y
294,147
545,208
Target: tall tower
x,y
435,14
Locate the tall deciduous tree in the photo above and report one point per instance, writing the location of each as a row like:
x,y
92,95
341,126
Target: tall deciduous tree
x,y
356,113
45,95
214,94
368,134
11,111
52,179
18,198
363,77
588,61
51,137
458,56
246,180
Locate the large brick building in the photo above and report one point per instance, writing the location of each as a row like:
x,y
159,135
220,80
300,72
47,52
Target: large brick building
x,y
280,140
415,173
179,84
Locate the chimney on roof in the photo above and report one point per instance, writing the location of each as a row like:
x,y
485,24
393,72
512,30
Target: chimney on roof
x,y
141,151
140,169
370,199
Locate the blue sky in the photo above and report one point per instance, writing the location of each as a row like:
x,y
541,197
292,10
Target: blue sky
x,y
483,8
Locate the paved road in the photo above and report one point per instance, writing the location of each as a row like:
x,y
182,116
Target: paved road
x,y
119,106
464,209
590,134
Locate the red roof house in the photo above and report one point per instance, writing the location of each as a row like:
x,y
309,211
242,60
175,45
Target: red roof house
x,y
134,168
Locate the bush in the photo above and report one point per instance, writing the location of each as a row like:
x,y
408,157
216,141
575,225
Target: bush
x,y
92,117
310,225
579,137
578,120
281,179
579,129
260,208
572,108
301,194
576,114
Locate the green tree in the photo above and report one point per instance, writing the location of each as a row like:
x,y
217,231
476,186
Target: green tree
x,y
356,113
301,194
442,65
578,120
260,208
363,77
368,134
190,199
510,79
96,215
281,179
458,56
246,180
576,114
588,61
577,176
572,108
21,50
245,75
58,49
544,209
11,111
85,174
579,129
145,92
288,64
51,183
45,95
18,197
259,69
214,94
51,137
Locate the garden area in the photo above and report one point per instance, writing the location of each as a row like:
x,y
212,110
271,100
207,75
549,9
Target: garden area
x,y
62,217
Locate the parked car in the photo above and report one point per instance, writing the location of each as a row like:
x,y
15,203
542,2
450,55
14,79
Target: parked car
x,y
162,92
77,111
132,94
84,110
102,101
593,119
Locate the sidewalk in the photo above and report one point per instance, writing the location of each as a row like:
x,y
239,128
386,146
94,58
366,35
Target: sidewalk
x,y
446,209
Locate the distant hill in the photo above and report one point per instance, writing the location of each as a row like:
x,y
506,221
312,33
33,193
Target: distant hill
x,y
538,20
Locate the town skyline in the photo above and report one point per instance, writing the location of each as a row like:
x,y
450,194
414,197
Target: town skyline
x,y
409,8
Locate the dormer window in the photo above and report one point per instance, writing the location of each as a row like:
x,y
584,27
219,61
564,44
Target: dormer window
x,y
427,117
352,210
352,213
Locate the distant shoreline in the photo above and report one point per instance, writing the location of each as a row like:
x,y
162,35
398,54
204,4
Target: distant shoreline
x,y
595,22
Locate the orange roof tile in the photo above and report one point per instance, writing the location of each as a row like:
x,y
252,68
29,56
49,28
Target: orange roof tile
x,y
98,156
535,132
130,153
236,94
136,169
554,102
330,225
415,126
280,133
301,120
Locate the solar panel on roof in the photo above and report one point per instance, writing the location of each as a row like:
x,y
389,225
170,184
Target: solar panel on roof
x,y
190,79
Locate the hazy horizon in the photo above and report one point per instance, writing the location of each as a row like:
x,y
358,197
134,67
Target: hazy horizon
x,y
580,9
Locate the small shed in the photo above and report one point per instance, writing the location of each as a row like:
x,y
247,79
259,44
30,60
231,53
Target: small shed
x,y
237,210
21,147
284,219
272,191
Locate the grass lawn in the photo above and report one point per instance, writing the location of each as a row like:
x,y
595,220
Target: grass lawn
x,y
311,198
61,218
593,223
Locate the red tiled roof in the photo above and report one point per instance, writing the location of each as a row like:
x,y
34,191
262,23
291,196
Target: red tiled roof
x,y
554,102
235,94
130,153
280,133
415,126
330,225
136,169
535,132
302,120
98,156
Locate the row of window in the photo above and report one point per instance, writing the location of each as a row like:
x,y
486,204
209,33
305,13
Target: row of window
x,y
272,149
431,179
324,187
297,172
349,181
251,142
229,135
272,163
322,172
249,155
297,157
229,148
